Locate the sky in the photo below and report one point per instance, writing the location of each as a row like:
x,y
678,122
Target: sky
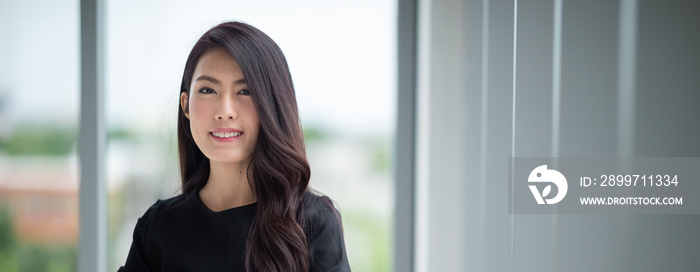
x,y
342,55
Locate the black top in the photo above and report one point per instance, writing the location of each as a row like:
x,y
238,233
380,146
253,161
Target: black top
x,y
180,234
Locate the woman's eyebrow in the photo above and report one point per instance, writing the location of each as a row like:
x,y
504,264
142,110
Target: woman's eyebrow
x,y
208,78
216,81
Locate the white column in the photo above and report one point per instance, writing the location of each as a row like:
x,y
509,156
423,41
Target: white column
x,y
92,249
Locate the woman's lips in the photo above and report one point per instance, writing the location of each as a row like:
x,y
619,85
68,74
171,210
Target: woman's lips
x,y
225,135
225,130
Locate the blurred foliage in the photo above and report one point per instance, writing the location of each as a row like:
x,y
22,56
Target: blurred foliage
x,y
116,215
372,232
312,134
16,256
39,139
50,140
7,238
122,134
381,159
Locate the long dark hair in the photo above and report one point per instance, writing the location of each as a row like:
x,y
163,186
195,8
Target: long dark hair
x,y
279,171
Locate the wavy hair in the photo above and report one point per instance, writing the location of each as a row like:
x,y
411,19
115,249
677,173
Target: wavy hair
x,y
278,172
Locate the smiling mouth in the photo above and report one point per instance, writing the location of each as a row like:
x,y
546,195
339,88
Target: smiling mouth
x,y
226,134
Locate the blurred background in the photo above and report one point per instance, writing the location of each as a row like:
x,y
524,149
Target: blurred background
x,y
478,81
342,58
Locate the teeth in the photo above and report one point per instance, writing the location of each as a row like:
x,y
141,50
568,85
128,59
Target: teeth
x,y
227,134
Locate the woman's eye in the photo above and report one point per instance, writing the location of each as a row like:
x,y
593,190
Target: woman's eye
x,y
244,91
206,90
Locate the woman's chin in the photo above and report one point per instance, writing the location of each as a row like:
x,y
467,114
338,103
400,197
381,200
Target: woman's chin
x,y
227,159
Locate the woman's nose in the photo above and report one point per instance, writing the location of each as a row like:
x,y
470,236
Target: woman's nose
x,y
227,109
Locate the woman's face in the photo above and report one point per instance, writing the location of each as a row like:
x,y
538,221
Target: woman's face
x,y
222,116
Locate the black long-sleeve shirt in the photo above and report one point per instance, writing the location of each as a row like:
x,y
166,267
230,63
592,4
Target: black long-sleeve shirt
x,y
180,234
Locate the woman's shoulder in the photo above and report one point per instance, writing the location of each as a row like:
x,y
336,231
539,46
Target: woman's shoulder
x,y
318,203
324,231
313,197
169,203
320,213
163,206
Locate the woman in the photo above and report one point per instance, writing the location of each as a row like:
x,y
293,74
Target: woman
x,y
245,204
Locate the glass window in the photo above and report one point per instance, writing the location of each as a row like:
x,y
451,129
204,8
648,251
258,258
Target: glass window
x,y
342,58
39,95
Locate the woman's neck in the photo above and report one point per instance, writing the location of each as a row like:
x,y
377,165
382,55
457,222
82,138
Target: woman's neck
x,y
227,187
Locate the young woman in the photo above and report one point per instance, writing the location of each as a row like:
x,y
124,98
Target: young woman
x,y
245,202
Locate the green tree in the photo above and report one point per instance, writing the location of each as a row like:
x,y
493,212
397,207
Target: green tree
x,y
40,140
16,256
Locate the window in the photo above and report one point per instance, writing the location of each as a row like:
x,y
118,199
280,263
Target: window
x,y
39,87
342,59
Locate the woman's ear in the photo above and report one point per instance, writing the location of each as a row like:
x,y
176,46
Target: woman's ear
x,y
184,103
